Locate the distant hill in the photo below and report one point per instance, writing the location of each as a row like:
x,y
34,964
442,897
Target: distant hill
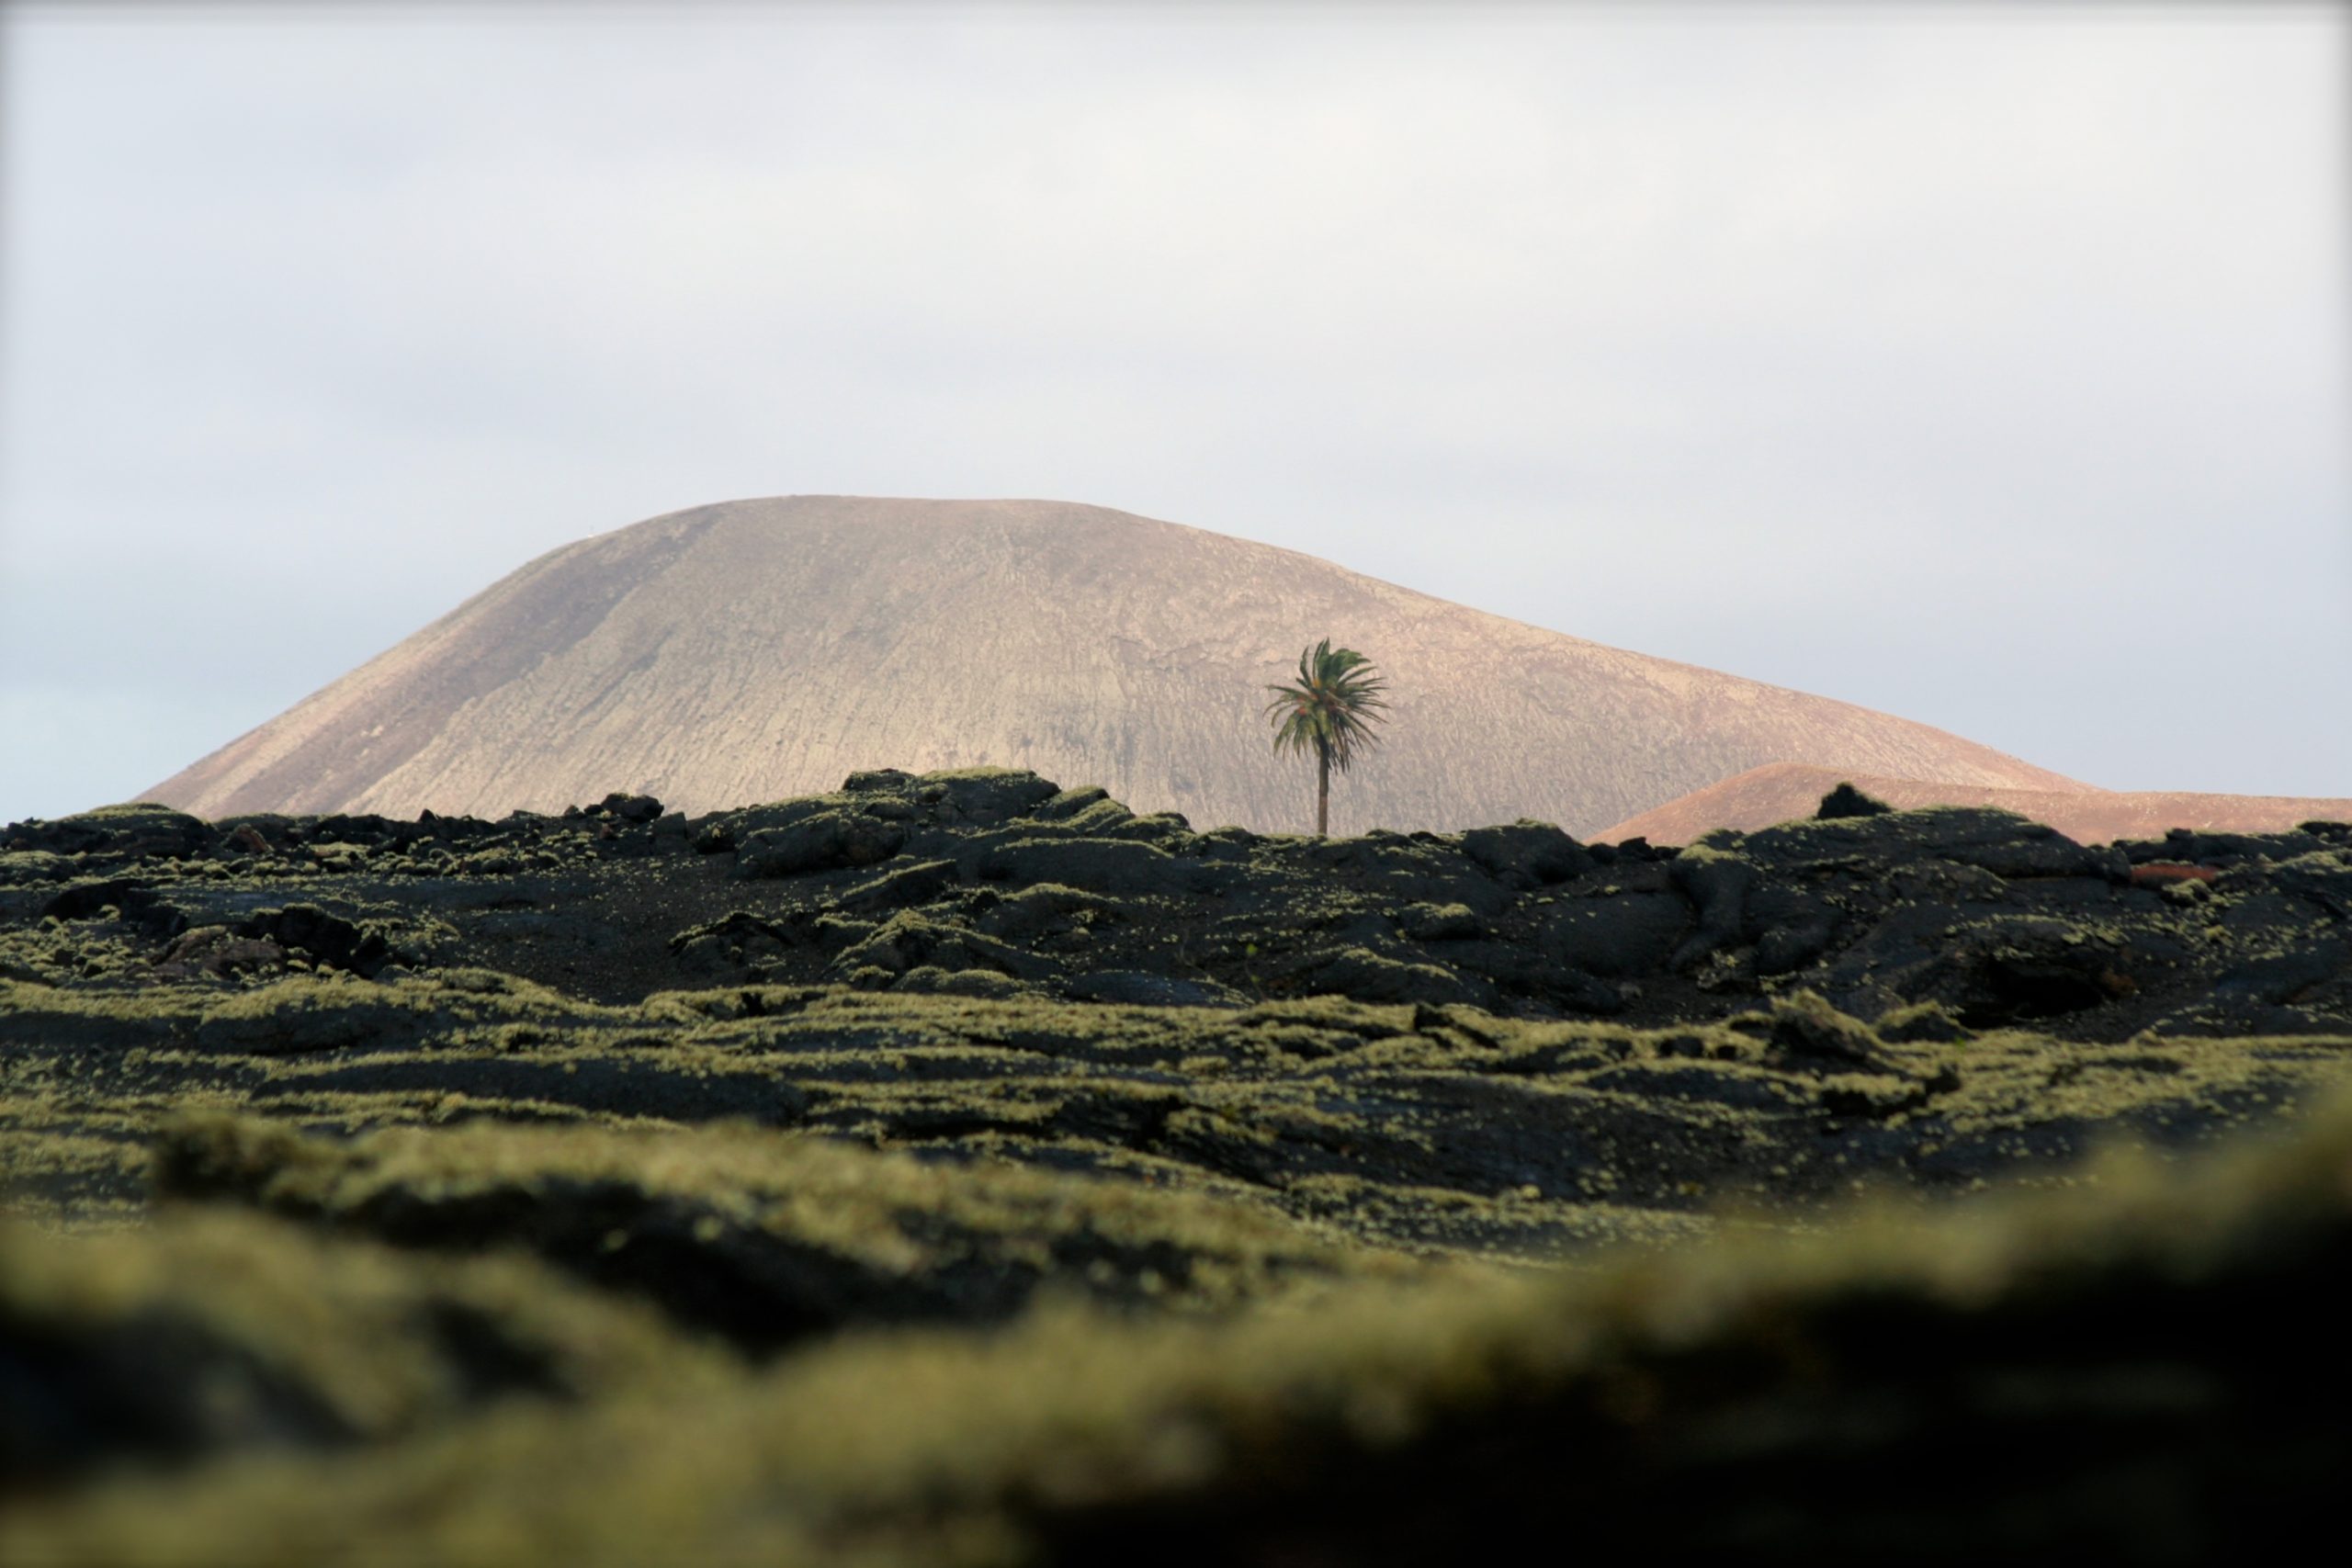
x,y
1782,792
756,650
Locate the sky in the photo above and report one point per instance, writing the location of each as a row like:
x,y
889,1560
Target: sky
x,y
1990,367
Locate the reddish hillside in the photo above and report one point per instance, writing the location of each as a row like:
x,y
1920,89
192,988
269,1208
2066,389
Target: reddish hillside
x,y
1780,791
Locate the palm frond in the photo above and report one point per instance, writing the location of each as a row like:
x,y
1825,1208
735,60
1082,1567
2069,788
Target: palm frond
x,y
1332,708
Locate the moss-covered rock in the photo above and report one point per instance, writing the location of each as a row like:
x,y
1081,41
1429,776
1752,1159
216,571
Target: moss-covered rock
x,y
824,842
1062,1166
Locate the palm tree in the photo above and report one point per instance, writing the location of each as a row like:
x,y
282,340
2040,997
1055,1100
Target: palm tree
x,y
1329,711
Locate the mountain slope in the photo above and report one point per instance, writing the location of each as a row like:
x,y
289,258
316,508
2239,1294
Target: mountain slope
x,y
755,650
1783,792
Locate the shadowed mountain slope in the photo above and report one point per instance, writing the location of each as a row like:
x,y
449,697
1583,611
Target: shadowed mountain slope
x,y
756,650
1782,792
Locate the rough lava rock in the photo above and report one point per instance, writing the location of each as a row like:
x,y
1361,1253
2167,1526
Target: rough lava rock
x,y
1211,1185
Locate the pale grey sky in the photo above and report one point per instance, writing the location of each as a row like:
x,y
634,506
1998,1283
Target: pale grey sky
x,y
1992,369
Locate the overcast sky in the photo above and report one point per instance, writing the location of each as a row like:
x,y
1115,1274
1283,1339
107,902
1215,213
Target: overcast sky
x,y
1989,368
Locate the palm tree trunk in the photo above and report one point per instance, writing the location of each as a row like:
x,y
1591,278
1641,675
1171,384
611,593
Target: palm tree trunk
x,y
1322,793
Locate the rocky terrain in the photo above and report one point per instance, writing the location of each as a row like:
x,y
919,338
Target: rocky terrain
x,y
756,650
1762,797
957,1169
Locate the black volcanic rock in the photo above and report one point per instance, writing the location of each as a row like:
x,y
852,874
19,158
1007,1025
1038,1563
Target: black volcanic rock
x,y
1974,908
825,841
1526,854
572,1156
1847,801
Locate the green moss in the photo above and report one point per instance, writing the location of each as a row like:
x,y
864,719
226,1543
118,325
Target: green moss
x,y
1178,1264
977,776
20,868
898,1448
268,1325
884,1220
1921,1022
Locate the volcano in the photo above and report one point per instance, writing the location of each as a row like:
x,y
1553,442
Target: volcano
x,y
755,650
